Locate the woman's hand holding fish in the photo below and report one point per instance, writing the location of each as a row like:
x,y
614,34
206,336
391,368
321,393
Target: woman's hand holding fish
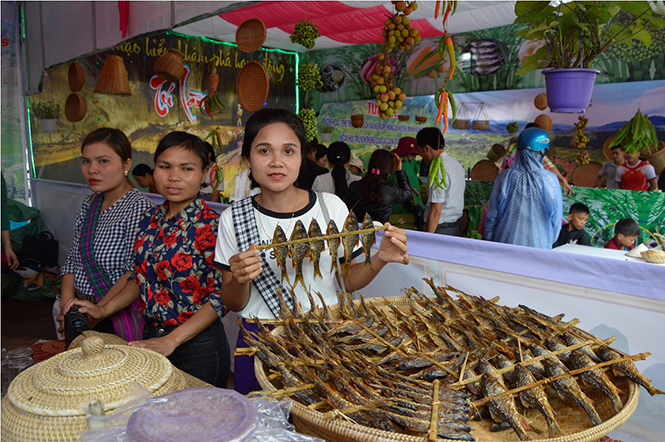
x,y
393,246
246,265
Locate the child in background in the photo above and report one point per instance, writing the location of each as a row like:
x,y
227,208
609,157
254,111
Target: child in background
x,y
626,232
573,233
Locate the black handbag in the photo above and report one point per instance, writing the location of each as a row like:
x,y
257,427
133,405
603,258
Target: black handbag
x,y
41,248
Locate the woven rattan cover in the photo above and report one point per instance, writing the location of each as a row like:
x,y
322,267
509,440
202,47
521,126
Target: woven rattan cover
x,y
250,35
43,402
484,170
572,419
252,86
170,66
586,175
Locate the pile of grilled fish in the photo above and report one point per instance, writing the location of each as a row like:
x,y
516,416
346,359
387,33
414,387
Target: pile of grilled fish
x,y
375,363
313,249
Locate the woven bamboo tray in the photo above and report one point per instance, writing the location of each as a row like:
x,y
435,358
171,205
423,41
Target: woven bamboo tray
x,y
250,35
586,175
572,419
484,170
252,86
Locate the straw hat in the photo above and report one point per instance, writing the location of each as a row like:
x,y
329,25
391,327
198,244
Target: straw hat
x,y
43,402
358,163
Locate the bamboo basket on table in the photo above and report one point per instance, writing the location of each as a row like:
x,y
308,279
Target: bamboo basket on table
x,y
572,419
42,403
654,256
357,120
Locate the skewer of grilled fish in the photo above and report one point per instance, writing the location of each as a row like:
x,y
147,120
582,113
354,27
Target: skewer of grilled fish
x,y
571,340
569,391
299,251
503,409
535,397
315,247
415,424
626,368
368,239
281,252
333,244
349,242
595,377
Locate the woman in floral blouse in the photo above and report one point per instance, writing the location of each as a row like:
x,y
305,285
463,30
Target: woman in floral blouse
x,y
178,287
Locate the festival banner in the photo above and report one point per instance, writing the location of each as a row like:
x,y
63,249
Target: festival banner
x,y
156,106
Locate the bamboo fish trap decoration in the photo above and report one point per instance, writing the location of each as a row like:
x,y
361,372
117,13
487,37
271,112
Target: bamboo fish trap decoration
x,y
393,361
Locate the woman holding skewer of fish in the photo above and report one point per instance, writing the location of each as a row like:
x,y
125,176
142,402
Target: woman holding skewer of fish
x,y
256,282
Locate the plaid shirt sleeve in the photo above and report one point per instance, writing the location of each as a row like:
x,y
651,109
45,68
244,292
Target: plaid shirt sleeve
x,y
73,259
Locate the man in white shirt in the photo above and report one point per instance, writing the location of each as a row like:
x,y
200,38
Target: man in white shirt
x,y
445,190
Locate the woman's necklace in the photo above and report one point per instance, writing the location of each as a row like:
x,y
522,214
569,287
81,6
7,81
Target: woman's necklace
x,y
293,213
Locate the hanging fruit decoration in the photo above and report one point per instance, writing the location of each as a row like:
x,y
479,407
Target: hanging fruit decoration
x,y
512,127
580,140
309,77
443,96
211,103
397,33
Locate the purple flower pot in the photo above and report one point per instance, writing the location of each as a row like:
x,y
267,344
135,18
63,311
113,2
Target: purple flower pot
x,y
569,90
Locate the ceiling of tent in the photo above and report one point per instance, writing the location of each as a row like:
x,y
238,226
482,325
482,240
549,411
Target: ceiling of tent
x,y
344,23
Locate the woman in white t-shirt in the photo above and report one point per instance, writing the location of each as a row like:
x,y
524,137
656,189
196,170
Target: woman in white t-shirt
x,y
339,178
272,150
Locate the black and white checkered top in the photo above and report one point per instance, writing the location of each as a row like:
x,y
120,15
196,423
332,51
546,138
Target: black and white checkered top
x,y
114,239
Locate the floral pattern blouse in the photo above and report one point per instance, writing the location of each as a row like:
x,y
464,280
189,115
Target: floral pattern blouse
x,y
174,264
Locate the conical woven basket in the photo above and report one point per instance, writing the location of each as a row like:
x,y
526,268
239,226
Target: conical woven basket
x,y
113,79
43,402
572,419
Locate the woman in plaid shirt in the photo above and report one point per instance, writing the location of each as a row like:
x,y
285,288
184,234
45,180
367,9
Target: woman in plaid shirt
x,y
101,255
174,280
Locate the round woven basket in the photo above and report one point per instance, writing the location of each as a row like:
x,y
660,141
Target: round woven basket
x,y
43,402
250,35
252,86
654,256
76,77
586,175
496,152
461,124
484,170
170,66
357,120
572,419
75,107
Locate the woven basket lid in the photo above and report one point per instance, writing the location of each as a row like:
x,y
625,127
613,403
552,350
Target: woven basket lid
x,y
252,86
59,384
586,175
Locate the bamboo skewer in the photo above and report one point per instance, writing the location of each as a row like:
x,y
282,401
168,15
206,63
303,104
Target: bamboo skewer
x,y
431,435
320,238
637,357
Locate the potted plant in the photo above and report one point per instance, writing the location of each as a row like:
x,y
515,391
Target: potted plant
x,y
325,132
571,36
47,113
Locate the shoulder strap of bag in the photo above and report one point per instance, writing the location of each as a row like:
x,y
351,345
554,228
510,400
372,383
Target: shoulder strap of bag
x,y
247,233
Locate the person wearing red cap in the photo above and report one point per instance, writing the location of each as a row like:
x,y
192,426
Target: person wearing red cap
x,y
407,149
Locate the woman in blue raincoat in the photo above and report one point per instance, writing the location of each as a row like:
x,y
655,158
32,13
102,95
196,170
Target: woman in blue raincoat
x,y
526,206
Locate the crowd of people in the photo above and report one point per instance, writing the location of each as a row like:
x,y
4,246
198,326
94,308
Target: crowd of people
x,y
161,277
